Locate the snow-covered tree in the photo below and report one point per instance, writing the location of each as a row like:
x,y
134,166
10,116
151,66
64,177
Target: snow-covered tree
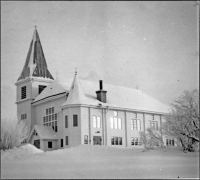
x,y
152,138
13,133
183,121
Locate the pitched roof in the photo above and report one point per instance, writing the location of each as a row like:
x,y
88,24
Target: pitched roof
x,y
117,96
45,132
56,87
35,64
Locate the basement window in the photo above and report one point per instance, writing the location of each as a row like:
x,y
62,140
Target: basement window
x,y
23,92
85,139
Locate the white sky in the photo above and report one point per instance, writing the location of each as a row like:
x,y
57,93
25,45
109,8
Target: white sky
x,y
152,45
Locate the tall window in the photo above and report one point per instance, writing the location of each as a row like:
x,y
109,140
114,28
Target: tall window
x,y
66,140
50,119
135,115
135,124
66,121
96,122
116,140
23,92
56,127
41,88
115,122
85,139
75,120
61,143
154,125
111,123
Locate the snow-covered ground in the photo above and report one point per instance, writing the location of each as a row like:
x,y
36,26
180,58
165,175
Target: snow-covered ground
x,y
88,161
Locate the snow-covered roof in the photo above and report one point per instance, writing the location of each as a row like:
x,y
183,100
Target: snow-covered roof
x,y
45,132
77,96
54,88
117,96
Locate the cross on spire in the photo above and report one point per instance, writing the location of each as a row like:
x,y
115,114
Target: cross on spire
x,y
76,71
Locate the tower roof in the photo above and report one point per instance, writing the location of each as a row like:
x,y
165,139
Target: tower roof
x,y
76,94
35,65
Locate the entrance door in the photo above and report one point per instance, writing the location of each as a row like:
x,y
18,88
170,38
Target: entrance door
x,y
37,143
97,140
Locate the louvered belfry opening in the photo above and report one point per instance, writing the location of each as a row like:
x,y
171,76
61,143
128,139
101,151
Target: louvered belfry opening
x,y
101,94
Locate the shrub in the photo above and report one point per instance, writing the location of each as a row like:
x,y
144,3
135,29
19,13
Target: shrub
x,y
152,139
13,133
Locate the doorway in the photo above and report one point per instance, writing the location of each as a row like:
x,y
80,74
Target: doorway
x,y
37,143
97,140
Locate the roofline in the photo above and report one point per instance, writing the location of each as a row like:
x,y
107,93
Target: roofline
x,y
33,79
30,98
114,108
47,98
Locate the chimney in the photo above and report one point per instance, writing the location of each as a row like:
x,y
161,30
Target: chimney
x,y
101,94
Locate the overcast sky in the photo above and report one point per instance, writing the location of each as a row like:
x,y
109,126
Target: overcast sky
x,y
149,45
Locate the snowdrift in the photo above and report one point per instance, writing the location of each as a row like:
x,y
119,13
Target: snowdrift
x,y
18,152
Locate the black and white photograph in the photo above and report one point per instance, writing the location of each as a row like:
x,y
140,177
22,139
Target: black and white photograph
x,y
99,90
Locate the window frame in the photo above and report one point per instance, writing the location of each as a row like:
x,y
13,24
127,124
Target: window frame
x,y
66,121
75,120
23,92
66,140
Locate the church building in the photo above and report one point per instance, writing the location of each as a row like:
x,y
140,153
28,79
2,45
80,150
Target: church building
x,y
74,112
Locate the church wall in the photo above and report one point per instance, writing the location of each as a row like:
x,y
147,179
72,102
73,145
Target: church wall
x,y
40,109
73,133
28,89
115,132
134,133
148,117
84,121
25,108
45,144
95,131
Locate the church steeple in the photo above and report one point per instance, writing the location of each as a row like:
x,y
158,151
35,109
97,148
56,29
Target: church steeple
x,y
35,65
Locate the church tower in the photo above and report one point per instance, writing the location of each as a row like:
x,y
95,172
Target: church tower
x,y
34,77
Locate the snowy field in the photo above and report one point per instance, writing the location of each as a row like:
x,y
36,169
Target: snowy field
x,y
88,161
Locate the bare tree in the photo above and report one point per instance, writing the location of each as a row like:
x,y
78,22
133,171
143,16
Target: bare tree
x,y
183,121
13,133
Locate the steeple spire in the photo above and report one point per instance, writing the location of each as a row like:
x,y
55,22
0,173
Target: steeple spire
x,y
35,65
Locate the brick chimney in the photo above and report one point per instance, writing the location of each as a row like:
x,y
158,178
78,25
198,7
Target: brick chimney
x,y
101,94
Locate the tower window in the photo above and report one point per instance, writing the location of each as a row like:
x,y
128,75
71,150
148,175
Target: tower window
x,y
23,92
41,88
75,120
23,116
